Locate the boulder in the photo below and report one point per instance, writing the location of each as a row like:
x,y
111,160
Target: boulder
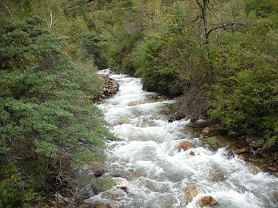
x,y
254,169
133,103
264,153
192,191
255,141
120,181
213,130
152,100
179,115
243,150
233,134
99,172
184,145
207,201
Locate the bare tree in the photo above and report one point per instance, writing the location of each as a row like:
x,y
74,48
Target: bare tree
x,y
223,24
51,21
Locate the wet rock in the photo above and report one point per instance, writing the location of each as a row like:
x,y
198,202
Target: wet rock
x,y
161,117
184,145
243,150
264,153
99,172
218,175
255,141
254,169
194,123
133,103
152,100
109,88
120,181
192,191
233,134
179,115
242,156
120,121
272,167
135,174
207,201
257,151
124,188
145,125
155,99
214,130
160,99
192,153
250,131
171,118
101,101
96,171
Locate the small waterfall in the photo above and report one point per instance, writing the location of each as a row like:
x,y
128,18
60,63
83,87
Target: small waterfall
x,y
155,174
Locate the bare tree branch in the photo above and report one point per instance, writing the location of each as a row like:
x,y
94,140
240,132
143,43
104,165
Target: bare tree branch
x,y
198,17
51,22
199,4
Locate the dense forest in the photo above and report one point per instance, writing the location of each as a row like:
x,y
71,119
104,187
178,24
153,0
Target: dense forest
x,y
217,57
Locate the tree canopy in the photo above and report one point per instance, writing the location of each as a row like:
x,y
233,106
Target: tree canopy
x,y
218,56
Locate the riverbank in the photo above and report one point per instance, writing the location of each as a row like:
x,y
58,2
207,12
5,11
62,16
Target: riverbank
x,y
247,146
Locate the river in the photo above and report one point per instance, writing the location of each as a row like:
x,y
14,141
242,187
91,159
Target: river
x,y
151,171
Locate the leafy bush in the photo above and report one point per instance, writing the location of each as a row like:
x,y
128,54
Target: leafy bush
x,y
249,101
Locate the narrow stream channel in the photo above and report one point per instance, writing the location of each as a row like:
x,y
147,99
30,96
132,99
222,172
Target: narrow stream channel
x,y
154,174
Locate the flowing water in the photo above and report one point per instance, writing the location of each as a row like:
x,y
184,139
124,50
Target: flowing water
x,y
153,174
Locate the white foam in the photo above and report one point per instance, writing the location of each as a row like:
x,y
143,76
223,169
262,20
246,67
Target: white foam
x,y
149,148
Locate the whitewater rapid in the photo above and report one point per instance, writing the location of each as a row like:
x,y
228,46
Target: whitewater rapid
x,y
146,161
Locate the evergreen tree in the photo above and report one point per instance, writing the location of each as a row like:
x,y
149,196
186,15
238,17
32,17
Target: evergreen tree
x,y
47,127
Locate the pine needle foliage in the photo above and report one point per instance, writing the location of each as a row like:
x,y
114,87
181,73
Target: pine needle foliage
x,y
47,127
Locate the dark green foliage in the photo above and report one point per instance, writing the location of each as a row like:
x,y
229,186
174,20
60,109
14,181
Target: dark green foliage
x,y
246,70
262,8
250,100
47,126
161,56
120,57
75,8
96,47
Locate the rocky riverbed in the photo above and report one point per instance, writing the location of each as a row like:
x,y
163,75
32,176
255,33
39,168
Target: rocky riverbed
x,y
247,146
97,177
